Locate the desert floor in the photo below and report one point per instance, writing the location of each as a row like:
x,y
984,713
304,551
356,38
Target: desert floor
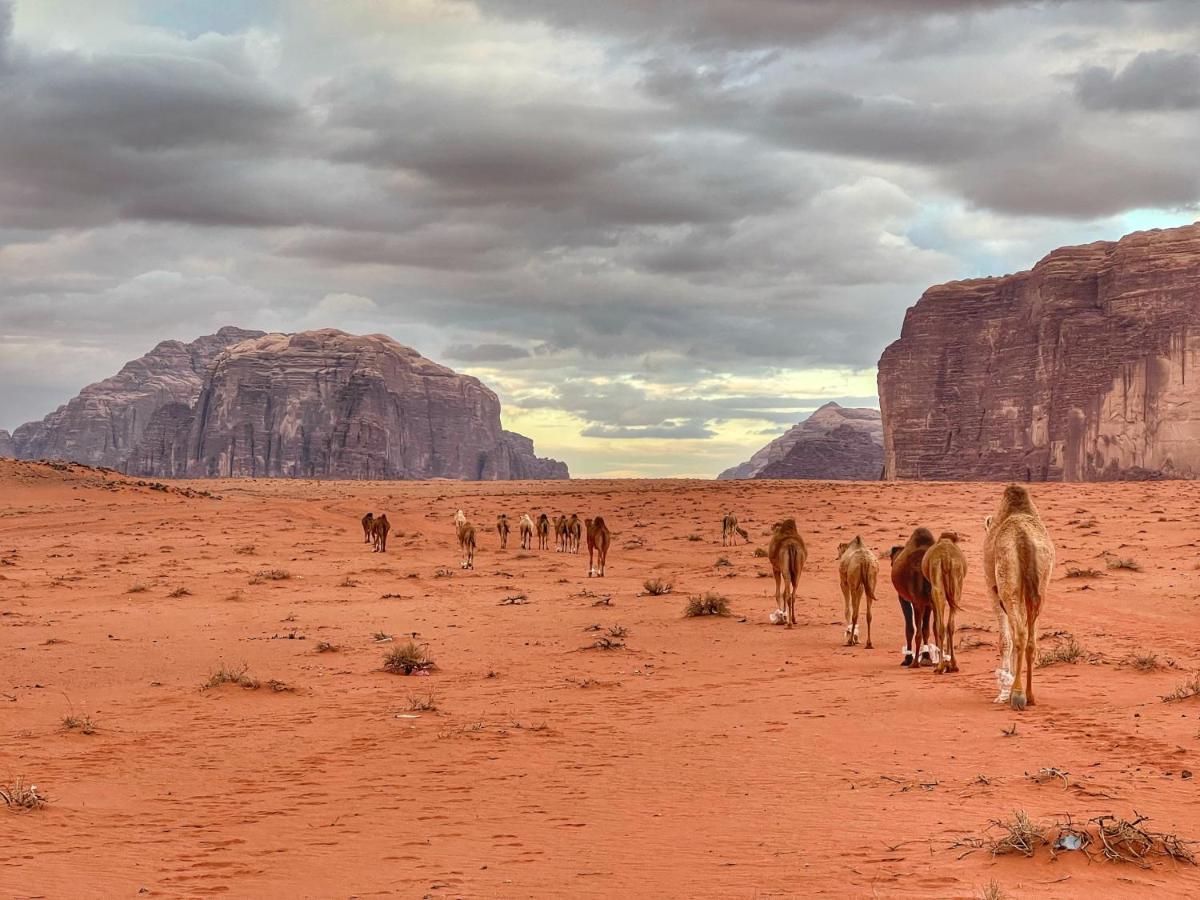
x,y
705,757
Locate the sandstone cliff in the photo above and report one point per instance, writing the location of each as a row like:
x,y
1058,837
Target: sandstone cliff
x,y
6,444
326,404
1080,369
104,423
833,443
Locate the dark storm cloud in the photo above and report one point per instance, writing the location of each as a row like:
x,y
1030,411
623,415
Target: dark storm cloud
x,y
1153,80
482,353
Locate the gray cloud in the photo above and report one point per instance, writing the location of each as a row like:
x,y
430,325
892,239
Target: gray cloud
x,y
1152,80
482,353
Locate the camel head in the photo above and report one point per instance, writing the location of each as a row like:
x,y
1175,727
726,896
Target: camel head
x,y
951,536
894,552
841,550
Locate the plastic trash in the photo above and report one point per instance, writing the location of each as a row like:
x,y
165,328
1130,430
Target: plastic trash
x,y
1068,842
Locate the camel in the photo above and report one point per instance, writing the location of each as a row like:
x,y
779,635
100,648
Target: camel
x,y
525,528
561,536
787,554
543,532
730,527
460,519
1018,559
466,544
598,539
366,524
502,530
380,526
857,571
574,533
945,567
913,589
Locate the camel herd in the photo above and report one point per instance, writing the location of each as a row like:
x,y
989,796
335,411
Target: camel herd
x,y
927,574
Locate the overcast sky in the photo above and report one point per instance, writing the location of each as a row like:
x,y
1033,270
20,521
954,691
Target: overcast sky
x,y
662,231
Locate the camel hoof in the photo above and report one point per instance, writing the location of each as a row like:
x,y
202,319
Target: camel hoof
x,y
868,646
1017,701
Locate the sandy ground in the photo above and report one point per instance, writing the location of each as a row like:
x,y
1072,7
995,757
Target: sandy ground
x,y
708,757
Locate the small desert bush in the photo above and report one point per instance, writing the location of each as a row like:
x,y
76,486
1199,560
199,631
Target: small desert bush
x,y
347,582
427,702
19,795
709,604
760,553
227,675
991,891
1124,563
722,562
406,658
180,592
656,587
271,575
1143,660
1185,689
1068,651
245,550
694,537
138,588
1073,572
1020,834
80,722
326,647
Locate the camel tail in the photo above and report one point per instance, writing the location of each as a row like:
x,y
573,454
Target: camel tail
x,y
948,590
864,577
791,562
1030,590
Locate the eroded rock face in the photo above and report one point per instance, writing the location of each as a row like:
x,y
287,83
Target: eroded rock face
x,y
834,443
1080,369
6,444
104,423
326,404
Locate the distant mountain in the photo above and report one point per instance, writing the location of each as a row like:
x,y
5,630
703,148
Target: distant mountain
x,y
834,443
6,444
317,404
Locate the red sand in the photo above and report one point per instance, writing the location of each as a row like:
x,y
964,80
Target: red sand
x,y
711,757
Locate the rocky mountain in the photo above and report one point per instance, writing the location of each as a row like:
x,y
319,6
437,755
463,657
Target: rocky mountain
x,y
834,443
319,404
103,425
6,444
1081,369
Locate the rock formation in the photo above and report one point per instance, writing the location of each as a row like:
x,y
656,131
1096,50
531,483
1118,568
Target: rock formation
x,y
319,404
6,444
1080,369
104,423
833,443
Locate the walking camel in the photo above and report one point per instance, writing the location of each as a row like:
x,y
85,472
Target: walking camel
x,y
1018,559
598,539
366,524
574,533
787,555
730,527
913,589
543,532
858,570
502,530
525,528
945,567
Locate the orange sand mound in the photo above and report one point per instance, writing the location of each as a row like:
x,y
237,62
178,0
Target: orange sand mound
x,y
708,757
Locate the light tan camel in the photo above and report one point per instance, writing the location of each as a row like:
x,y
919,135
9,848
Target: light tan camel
x,y
574,533
858,570
787,555
366,524
561,537
543,532
502,530
730,527
525,527
380,526
945,567
1018,559
598,539
466,543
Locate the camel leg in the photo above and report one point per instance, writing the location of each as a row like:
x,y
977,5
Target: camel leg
x,y
846,616
778,604
1030,656
857,596
1004,676
789,597
950,641
870,600
1021,657
939,626
906,610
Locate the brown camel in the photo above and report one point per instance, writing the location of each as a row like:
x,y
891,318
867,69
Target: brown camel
x,y
858,570
945,567
561,537
730,527
1018,559
574,533
543,532
787,555
598,539
525,527
913,589
502,530
380,526
466,543
366,524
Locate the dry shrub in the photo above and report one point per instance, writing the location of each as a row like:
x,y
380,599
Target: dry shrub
x,y
656,587
226,675
514,600
709,604
1121,840
19,795
1142,660
760,553
81,722
326,647
1124,563
1114,838
991,891
722,562
694,537
1068,651
427,702
347,582
1185,689
138,588
409,657
180,592
1073,572
270,575
1018,835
